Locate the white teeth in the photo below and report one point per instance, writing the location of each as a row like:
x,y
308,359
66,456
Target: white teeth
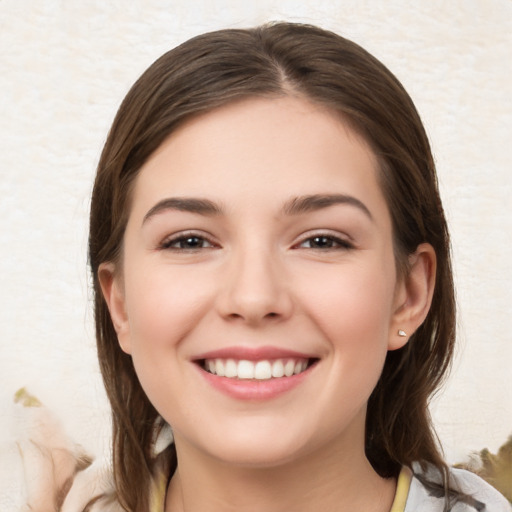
x,y
277,368
262,370
219,367
231,370
259,370
289,367
245,370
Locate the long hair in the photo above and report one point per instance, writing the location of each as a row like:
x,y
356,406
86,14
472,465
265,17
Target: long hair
x,y
275,60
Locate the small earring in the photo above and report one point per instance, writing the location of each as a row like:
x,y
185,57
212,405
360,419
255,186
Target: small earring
x,y
401,333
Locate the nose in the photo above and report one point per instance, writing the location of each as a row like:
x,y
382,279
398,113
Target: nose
x,y
255,289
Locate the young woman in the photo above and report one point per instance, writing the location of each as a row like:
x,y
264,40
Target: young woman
x,y
272,281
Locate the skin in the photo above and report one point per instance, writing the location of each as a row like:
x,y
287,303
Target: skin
x,y
255,275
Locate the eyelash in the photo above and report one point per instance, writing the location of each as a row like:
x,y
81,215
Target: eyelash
x,y
336,243
329,242
168,243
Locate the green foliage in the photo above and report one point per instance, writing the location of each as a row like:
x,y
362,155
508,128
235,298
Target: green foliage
x,y
496,469
23,397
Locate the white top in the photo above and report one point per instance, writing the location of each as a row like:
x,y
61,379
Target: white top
x,y
417,492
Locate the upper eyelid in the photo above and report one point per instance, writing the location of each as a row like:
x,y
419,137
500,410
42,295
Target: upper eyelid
x,y
175,237
344,237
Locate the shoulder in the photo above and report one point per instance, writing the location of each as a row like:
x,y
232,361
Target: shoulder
x,y
469,492
477,488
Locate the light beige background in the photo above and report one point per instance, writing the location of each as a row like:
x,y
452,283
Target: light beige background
x,y
65,66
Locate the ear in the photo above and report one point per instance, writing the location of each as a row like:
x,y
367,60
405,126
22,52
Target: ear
x,y
113,292
413,296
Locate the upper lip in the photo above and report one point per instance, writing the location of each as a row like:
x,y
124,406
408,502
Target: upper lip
x,y
254,354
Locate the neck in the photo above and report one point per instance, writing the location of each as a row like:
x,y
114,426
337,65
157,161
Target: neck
x,y
329,480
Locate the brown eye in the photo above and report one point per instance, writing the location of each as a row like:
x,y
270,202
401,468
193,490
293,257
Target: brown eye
x,y
188,242
324,242
191,242
321,242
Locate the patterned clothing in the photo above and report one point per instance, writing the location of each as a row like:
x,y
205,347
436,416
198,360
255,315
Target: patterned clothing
x,y
420,491
417,491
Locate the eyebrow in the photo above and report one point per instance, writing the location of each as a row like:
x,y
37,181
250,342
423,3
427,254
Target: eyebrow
x,y
304,204
295,206
184,204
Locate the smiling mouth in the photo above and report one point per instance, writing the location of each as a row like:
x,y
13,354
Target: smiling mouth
x,y
256,370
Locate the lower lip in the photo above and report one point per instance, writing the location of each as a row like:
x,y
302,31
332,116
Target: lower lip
x,y
252,389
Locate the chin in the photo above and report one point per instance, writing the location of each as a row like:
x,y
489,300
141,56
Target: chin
x,y
263,446
256,456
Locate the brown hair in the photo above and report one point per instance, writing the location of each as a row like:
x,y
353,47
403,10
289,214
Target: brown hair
x,y
274,60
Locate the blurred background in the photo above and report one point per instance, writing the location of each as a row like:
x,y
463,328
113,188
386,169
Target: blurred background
x,y
64,68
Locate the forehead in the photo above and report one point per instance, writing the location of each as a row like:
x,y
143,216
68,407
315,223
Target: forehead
x,y
269,149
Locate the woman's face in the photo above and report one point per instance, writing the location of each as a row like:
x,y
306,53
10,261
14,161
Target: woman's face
x,y
258,291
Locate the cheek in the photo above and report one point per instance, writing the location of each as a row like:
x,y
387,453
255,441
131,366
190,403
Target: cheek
x,y
353,312
163,306
353,309
359,300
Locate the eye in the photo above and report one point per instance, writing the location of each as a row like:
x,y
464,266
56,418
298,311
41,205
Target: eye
x,y
324,242
187,242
